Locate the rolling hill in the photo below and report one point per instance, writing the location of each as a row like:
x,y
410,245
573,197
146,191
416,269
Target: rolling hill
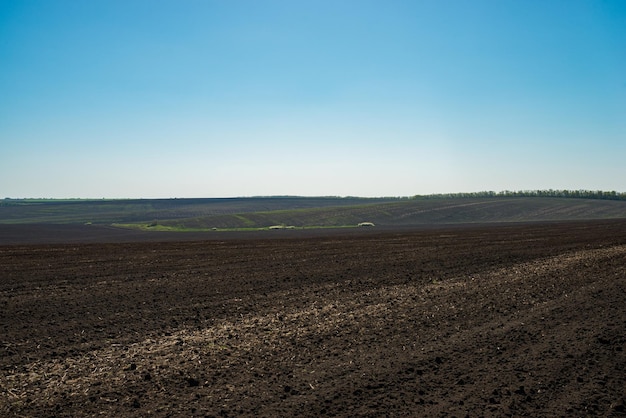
x,y
305,212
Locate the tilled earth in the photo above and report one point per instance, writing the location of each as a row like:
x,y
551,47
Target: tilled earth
x,y
511,320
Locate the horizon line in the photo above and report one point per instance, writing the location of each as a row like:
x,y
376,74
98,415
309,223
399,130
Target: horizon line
x,y
482,193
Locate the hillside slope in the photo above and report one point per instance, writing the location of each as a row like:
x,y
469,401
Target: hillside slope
x,y
418,212
202,214
52,211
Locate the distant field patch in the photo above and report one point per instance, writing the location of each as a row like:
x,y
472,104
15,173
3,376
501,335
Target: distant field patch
x,y
243,214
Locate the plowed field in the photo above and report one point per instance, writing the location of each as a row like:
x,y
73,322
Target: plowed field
x,y
512,320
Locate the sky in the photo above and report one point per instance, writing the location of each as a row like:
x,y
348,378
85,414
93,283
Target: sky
x,y
227,98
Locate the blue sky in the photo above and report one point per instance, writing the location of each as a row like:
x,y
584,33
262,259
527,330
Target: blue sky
x,y
149,98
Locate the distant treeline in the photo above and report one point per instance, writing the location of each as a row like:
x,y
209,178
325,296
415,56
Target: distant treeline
x,y
577,194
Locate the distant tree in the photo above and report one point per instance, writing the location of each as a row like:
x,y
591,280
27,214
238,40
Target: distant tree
x,y
575,194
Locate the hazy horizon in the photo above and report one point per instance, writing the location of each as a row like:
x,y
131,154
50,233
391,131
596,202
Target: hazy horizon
x,y
587,194
187,99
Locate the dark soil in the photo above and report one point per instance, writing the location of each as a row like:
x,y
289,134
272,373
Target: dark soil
x,y
513,320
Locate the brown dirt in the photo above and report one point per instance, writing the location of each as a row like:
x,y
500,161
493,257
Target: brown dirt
x,y
514,320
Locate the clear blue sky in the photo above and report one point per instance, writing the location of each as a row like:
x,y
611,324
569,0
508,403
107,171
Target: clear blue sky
x,y
149,98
